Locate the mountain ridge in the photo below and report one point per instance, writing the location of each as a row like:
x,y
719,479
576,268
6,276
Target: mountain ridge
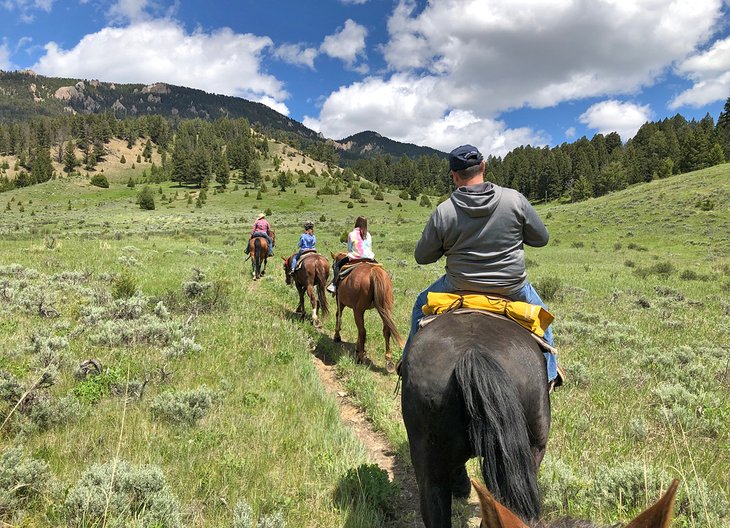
x,y
25,94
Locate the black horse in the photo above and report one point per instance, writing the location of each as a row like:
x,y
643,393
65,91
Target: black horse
x,y
475,385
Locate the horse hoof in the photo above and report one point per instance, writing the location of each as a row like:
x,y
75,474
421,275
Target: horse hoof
x,y
390,367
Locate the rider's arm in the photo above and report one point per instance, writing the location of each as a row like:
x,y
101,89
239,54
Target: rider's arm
x,y
534,232
430,247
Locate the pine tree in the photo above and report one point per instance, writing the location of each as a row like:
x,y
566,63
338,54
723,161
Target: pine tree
x,y
146,199
69,157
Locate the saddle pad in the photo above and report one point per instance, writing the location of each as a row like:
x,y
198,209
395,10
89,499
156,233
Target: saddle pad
x,y
347,268
304,255
531,316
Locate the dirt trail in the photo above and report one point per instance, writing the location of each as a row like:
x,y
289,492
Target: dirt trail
x,y
376,445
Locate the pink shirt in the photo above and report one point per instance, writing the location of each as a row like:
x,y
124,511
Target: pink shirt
x,y
261,225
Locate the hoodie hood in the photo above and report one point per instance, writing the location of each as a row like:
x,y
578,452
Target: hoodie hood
x,y
478,200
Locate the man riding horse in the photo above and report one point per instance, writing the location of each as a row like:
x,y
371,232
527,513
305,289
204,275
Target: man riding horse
x,y
481,230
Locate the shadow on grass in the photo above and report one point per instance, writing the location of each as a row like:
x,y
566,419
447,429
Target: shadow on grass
x,y
329,352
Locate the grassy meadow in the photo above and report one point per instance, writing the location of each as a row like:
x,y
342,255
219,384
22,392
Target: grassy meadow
x,y
208,410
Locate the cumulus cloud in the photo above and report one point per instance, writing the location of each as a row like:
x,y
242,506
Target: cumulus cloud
x,y
221,62
410,109
710,73
129,10
297,54
348,44
616,116
480,58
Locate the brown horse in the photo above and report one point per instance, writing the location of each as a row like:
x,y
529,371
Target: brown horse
x,y
495,515
367,286
258,250
314,271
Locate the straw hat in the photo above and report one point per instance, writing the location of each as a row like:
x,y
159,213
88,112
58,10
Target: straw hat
x,y
260,216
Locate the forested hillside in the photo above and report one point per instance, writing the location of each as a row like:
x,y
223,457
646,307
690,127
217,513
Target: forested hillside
x,y
202,146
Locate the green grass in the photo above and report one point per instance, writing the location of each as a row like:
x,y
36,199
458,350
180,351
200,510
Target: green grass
x,y
645,345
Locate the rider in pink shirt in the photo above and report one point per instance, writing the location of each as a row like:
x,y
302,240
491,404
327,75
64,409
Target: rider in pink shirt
x,y
262,228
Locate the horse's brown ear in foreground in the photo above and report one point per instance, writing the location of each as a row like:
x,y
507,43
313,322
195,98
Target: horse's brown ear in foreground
x,y
660,514
334,255
494,515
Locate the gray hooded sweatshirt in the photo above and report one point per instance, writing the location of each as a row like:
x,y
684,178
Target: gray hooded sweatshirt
x,y
481,230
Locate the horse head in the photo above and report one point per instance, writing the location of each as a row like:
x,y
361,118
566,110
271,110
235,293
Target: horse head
x,y
495,515
287,267
338,256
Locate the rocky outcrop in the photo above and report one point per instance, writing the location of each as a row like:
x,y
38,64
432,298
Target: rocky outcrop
x,y
67,93
118,107
33,90
156,88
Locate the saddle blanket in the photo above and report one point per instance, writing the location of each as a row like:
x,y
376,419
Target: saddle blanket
x,y
347,268
534,318
305,254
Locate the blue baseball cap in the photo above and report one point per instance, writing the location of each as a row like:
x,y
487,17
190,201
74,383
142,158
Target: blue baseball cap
x,y
464,157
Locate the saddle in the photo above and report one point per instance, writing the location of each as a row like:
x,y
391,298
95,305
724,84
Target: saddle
x,y
306,253
531,317
354,263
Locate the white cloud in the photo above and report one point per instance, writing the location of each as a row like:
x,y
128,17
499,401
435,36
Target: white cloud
x,y
129,10
570,132
26,8
409,109
348,44
615,116
297,54
485,57
355,2
5,63
221,62
710,73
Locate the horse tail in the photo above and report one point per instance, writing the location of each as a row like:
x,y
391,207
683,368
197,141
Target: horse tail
x,y
321,281
257,255
383,299
498,432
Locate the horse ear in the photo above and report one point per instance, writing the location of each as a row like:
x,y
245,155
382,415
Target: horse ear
x,y
333,255
494,515
660,514
283,258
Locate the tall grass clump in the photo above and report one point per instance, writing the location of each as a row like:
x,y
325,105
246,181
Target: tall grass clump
x,y
22,478
120,494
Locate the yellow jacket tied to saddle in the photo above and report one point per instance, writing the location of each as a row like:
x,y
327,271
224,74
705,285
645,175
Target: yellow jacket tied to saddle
x,y
531,316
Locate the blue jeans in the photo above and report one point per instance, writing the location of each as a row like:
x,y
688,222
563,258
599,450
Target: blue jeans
x,y
294,260
526,294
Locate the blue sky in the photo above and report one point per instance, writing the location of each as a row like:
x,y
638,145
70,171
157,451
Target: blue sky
x,y
494,73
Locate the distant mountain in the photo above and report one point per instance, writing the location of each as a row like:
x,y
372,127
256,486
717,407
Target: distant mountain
x,y
25,94
369,143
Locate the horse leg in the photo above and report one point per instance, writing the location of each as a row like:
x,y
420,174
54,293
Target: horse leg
x,y
313,299
338,322
360,323
389,365
434,491
300,308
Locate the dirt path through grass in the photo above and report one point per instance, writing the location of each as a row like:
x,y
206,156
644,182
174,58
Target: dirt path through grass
x,y
376,445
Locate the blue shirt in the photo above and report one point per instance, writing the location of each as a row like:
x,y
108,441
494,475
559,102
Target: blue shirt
x,y
307,241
